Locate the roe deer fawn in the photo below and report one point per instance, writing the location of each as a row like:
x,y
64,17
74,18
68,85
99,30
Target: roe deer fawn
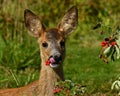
x,y
52,47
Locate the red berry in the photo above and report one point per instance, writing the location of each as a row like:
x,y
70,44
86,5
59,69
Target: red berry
x,y
56,90
103,43
47,62
113,43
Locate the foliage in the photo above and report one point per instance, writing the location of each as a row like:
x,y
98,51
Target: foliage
x,y
68,88
110,46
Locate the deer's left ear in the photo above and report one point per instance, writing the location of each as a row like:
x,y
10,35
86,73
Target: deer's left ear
x,y
69,21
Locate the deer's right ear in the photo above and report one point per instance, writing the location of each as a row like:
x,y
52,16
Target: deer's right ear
x,y
33,23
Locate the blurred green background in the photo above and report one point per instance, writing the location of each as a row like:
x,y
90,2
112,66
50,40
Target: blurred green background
x,y
19,52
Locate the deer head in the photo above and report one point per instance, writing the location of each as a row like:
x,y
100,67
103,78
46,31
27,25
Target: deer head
x,y
51,41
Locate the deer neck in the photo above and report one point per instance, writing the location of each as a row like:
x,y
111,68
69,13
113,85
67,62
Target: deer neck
x,y
48,73
48,78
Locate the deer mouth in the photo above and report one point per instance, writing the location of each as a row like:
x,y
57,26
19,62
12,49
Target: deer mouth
x,y
53,62
55,65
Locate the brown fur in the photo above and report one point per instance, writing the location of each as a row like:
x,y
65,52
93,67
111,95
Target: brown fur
x,y
48,75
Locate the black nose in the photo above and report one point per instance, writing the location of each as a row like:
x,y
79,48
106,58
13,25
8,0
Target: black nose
x,y
57,58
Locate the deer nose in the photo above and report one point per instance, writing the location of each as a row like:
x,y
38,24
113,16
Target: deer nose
x,y
57,58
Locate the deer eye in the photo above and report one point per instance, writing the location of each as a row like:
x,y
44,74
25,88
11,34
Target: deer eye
x,y
62,43
45,44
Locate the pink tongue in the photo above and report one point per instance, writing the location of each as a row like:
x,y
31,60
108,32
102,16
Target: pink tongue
x,y
52,60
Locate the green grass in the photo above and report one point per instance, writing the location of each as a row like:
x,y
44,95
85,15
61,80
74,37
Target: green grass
x,y
19,53
84,66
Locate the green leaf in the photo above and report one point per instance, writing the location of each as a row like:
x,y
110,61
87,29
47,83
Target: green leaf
x,y
108,51
117,51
